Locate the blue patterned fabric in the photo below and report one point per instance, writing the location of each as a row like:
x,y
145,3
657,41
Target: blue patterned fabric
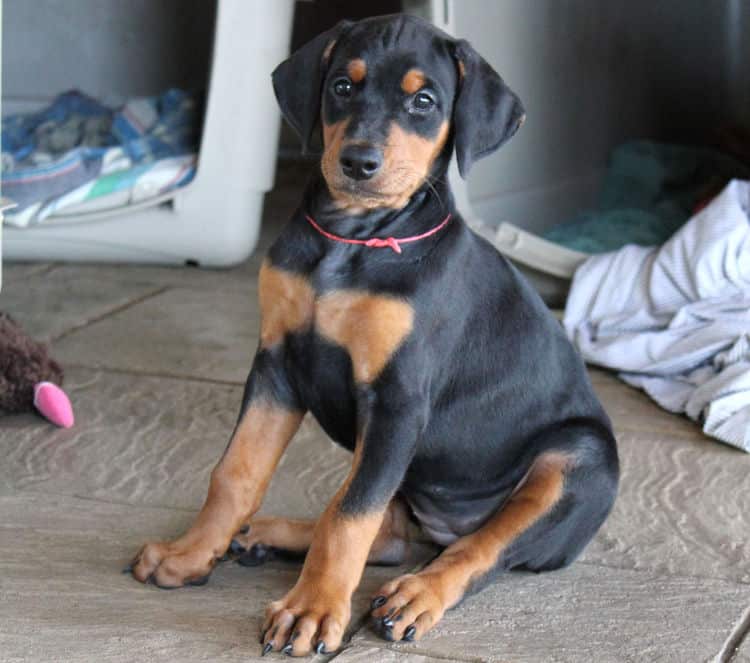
x,y
76,139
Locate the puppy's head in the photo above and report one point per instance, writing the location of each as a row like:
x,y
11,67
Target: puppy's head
x,y
393,95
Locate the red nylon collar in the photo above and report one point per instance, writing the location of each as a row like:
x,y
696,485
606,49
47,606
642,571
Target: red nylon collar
x,y
377,242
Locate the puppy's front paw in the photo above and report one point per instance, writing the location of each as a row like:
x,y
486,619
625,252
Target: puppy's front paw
x,y
169,565
407,607
251,545
306,620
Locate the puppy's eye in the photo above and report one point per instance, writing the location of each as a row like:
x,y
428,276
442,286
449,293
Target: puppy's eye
x,y
342,87
422,102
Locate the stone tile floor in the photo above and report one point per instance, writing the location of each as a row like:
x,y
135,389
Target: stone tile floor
x,y
155,360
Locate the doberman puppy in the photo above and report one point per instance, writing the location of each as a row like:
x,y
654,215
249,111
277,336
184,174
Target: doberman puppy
x,y
414,343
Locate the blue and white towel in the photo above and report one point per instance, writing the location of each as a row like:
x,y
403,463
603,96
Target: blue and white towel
x,y
675,319
78,155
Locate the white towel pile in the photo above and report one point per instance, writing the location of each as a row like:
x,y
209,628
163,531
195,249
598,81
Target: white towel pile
x,y
675,319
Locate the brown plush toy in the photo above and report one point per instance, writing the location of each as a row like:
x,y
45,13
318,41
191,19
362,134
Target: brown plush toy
x,y
26,372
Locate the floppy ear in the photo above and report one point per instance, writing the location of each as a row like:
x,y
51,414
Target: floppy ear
x,y
486,112
297,82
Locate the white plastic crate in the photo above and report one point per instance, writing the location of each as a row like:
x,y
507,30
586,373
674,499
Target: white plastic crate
x,y
214,220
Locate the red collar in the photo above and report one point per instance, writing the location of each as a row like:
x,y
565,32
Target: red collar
x,y
377,242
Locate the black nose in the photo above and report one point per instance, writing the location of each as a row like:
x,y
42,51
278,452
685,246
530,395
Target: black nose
x,y
360,162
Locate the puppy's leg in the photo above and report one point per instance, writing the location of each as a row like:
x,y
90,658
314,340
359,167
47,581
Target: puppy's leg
x,y
553,513
314,614
261,536
269,417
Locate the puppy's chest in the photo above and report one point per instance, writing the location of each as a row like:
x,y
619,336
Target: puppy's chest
x,y
368,326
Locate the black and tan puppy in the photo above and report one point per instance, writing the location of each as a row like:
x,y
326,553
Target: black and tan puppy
x,y
414,344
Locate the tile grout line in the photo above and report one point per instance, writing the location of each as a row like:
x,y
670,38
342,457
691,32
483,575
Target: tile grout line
x,y
150,374
438,655
43,269
21,492
341,650
660,574
736,637
106,314
415,651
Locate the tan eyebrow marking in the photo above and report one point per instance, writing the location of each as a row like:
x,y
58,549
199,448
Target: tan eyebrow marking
x,y
357,70
412,81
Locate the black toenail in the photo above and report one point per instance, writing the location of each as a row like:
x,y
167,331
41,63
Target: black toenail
x,y
267,649
378,601
244,529
155,583
132,564
236,548
320,648
199,582
257,555
387,622
409,633
287,649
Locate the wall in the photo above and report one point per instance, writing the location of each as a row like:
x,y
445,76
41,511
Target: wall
x,y
593,74
738,56
111,49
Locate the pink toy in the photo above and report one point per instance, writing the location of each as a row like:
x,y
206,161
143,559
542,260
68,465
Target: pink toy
x,y
53,403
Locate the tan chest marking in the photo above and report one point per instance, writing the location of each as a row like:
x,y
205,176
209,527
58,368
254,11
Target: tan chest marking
x,y
286,303
370,327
